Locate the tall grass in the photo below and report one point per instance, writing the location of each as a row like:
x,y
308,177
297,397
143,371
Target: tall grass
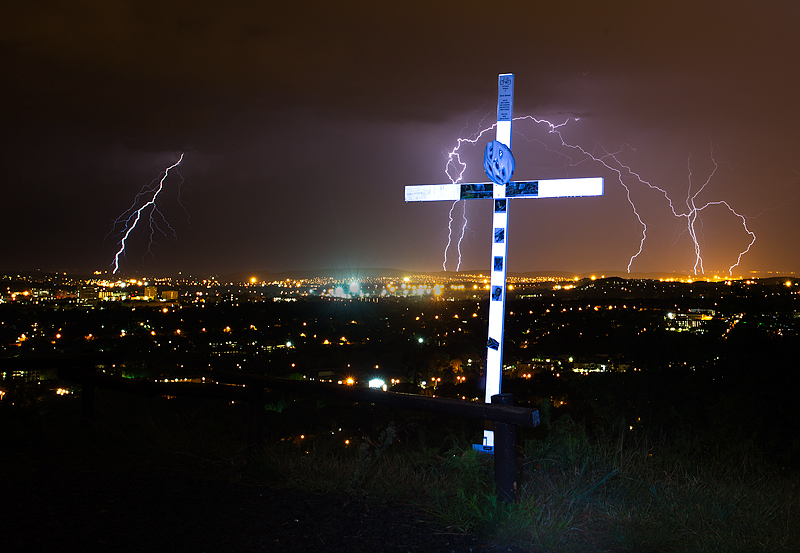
x,y
606,493
629,495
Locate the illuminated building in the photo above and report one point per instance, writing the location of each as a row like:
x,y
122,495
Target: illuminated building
x,y
694,320
87,294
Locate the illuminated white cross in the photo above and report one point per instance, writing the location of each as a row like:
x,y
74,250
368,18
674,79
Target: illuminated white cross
x,y
501,193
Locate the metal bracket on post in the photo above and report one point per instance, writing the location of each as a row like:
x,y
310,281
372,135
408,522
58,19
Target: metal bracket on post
x,y
506,472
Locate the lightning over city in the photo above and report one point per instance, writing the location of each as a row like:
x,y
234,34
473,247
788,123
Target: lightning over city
x,y
456,166
145,199
300,156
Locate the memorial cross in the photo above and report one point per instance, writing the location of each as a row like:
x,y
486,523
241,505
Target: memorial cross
x,y
501,193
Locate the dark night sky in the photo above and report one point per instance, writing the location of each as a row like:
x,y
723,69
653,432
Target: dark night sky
x,y
301,122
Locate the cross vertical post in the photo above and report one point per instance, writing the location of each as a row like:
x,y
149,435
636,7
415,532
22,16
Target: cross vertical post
x,y
497,285
501,194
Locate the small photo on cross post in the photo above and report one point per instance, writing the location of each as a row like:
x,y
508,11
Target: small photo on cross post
x,y
499,235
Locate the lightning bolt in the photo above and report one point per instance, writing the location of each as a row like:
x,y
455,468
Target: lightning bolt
x,y
450,221
131,217
693,212
455,168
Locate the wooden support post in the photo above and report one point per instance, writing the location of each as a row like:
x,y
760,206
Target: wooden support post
x,y
506,473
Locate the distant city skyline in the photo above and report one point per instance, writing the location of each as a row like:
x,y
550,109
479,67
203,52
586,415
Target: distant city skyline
x,y
366,275
300,127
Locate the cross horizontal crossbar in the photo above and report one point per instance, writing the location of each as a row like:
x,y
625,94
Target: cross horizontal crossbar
x,y
546,188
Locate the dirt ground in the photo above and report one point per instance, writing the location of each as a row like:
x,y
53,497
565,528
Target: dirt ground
x,y
48,506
